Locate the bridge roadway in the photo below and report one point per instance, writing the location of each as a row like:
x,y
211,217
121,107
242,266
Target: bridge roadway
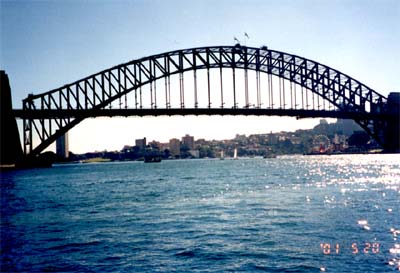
x,y
298,113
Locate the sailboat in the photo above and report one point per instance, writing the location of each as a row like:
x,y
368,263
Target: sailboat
x,y
235,157
222,156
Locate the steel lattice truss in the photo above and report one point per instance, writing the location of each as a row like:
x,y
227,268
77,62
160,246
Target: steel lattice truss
x,y
52,114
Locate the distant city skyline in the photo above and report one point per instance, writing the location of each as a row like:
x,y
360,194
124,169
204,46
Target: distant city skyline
x,y
190,140
164,128
343,136
46,44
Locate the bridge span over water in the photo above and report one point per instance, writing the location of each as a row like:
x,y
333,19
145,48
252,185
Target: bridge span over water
x,y
216,80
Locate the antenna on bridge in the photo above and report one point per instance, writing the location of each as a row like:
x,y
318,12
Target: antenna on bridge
x,y
246,36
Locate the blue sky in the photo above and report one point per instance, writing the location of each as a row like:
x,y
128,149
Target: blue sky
x,y
46,44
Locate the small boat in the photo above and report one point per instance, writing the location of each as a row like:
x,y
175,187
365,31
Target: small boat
x,y
222,156
269,156
152,159
235,156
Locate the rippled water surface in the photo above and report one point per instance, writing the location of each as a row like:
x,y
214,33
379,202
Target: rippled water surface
x,y
291,214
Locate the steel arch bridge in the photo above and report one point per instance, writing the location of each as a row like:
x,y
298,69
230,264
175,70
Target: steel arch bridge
x,y
229,80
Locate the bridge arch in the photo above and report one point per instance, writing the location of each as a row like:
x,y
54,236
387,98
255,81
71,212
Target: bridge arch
x,y
51,114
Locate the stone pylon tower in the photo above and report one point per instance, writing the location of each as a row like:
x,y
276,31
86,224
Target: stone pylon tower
x,y
10,147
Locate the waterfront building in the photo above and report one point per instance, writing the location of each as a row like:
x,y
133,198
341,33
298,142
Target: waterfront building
x,y
272,139
188,141
174,147
241,139
201,142
163,146
141,143
127,149
62,146
154,144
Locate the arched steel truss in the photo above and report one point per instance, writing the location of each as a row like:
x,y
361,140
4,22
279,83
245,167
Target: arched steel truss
x,y
52,114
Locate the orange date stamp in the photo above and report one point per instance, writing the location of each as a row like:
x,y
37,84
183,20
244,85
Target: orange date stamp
x,y
355,248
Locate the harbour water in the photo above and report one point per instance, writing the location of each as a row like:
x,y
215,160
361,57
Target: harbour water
x,y
287,214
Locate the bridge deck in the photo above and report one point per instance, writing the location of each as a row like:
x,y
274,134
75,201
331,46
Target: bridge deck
x,y
81,113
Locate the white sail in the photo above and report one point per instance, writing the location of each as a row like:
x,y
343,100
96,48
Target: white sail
x,y
235,154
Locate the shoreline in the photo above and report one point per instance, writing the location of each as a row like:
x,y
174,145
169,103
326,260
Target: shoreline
x,y
14,167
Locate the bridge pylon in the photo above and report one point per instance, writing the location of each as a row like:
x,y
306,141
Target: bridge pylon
x,y
391,131
10,145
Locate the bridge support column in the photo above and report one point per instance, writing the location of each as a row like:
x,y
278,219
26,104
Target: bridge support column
x,y
62,147
392,129
10,147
